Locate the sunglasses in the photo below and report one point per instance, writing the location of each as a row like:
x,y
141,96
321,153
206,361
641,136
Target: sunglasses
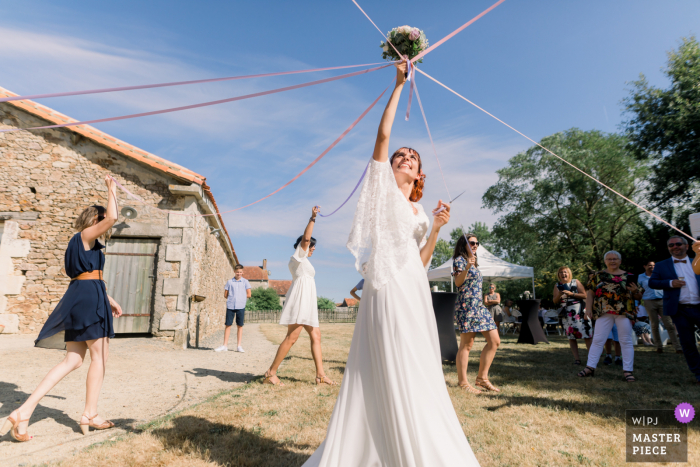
x,y
676,244
474,243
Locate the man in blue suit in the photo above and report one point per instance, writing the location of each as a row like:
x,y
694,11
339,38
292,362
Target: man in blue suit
x,y
681,288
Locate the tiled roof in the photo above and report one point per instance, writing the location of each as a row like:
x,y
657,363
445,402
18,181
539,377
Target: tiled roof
x,y
254,273
281,287
350,302
121,147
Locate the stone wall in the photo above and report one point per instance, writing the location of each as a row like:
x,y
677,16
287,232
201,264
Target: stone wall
x,y
47,178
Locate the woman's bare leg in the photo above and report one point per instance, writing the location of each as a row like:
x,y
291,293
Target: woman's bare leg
x,y
293,331
315,335
99,352
72,361
588,342
493,340
573,343
466,342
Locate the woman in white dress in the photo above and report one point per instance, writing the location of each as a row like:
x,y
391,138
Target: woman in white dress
x,y
393,408
300,310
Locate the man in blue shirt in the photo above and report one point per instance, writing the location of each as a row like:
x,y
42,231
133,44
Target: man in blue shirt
x,y
653,303
236,293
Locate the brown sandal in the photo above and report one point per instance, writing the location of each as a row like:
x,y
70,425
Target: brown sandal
x,y
486,384
11,423
469,388
267,380
102,426
325,380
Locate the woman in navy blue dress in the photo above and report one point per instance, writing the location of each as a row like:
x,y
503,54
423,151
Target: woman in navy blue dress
x,y
81,321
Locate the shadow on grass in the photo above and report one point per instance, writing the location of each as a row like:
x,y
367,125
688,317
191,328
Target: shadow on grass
x,y
228,444
226,376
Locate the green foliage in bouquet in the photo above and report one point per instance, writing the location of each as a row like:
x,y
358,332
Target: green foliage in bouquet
x,y
407,40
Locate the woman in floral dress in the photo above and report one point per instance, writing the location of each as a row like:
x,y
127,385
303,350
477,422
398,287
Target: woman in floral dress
x,y
472,316
571,294
610,298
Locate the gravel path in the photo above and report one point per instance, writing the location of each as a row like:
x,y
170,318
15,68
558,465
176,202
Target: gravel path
x,y
146,378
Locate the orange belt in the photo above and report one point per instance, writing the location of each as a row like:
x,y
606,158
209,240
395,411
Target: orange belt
x,y
89,276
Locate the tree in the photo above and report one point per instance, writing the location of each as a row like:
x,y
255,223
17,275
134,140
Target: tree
x,y
324,303
664,128
555,216
263,299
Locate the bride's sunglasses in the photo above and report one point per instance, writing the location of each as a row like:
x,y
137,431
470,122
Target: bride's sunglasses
x,y
474,243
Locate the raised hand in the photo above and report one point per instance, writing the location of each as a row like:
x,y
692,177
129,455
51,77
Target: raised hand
x,y
314,211
401,70
442,214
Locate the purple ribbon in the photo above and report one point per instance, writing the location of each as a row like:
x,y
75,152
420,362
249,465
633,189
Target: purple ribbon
x,y
352,193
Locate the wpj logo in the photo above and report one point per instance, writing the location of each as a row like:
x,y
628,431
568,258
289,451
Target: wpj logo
x,y
657,435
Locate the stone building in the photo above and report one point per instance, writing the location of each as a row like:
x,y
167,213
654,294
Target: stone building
x,y
166,270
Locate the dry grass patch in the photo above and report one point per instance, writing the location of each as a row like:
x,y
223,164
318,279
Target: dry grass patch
x,y
545,416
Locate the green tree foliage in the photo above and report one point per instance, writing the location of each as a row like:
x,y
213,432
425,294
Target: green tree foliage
x,y
263,299
664,128
325,303
555,216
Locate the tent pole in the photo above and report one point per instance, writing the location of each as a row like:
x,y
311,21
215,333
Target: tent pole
x,y
533,288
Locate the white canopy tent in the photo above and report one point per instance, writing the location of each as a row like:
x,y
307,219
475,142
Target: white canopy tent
x,y
492,268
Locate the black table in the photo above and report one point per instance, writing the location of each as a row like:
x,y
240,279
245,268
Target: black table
x,y
444,306
531,331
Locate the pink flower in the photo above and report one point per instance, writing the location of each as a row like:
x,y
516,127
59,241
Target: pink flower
x,y
617,279
415,34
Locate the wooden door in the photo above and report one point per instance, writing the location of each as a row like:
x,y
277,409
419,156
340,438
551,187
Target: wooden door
x,y
130,275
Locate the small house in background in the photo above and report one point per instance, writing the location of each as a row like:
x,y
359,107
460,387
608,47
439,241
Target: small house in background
x,y
259,276
350,303
164,266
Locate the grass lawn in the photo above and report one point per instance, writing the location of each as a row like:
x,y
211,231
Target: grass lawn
x,y
544,416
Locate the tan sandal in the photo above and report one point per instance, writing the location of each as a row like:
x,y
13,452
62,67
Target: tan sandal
x,y
469,388
102,426
12,425
267,380
325,380
486,384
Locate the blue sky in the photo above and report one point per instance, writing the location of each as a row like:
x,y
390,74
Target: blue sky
x,y
541,66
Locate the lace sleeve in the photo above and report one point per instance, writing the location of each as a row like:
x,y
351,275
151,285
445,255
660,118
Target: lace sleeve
x,y
382,227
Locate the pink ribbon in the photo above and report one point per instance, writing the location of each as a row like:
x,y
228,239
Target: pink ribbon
x,y
176,83
195,106
338,139
558,157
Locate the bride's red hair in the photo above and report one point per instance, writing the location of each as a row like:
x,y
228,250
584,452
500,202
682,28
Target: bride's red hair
x,y
417,191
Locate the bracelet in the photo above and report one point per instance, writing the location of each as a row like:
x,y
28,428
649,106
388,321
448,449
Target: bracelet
x,y
312,219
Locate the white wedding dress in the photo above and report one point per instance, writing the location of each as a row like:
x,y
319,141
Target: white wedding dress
x,y
393,408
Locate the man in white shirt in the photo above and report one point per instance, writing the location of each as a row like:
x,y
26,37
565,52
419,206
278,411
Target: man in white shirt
x,y
681,286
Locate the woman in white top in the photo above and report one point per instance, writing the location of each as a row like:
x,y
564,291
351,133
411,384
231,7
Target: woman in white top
x,y
301,309
393,408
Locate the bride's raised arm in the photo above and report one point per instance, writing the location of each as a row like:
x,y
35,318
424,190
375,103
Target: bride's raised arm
x,y
381,147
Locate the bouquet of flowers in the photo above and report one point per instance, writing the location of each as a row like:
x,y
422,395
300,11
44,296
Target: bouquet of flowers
x,y
407,40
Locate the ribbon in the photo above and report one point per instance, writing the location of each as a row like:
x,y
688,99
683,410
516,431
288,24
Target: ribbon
x,y
558,157
176,83
420,104
364,172
195,106
327,150
456,31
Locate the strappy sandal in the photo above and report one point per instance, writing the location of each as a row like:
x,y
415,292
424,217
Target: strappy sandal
x,y
469,388
85,427
486,384
325,380
586,372
267,380
13,424
628,377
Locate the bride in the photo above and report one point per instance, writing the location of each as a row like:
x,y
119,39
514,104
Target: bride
x,y
393,408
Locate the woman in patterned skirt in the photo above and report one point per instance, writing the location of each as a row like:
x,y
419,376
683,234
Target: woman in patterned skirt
x,y
472,316
571,294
